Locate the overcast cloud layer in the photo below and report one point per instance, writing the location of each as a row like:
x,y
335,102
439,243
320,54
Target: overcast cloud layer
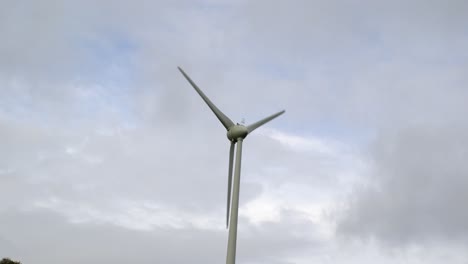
x,y
107,155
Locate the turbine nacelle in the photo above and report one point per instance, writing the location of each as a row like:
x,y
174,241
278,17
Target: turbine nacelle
x,y
237,131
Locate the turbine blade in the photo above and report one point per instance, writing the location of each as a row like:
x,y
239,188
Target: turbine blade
x,y
257,124
231,159
227,123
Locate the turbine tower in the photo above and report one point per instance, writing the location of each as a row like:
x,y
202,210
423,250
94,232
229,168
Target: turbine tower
x,y
236,133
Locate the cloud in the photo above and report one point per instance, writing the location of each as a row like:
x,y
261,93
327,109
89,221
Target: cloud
x,y
100,132
51,238
104,177
418,187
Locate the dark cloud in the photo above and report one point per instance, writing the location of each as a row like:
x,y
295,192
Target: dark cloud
x,y
418,187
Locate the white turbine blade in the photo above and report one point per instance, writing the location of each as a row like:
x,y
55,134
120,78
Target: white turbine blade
x,y
231,159
257,124
227,123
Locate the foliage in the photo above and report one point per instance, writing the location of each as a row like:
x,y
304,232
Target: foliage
x,y
8,261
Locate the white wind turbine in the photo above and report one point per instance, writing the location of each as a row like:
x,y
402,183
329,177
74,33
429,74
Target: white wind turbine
x,y
236,133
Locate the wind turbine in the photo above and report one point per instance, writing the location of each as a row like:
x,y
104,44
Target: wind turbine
x,y
236,133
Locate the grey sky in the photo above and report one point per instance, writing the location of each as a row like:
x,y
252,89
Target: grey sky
x,y
108,155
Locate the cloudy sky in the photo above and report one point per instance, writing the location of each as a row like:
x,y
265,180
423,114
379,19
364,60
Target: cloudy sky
x,y
107,155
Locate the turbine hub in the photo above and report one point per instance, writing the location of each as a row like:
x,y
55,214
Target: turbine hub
x,y
237,131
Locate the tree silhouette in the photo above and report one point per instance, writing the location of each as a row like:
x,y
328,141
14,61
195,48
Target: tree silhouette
x,y
8,261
